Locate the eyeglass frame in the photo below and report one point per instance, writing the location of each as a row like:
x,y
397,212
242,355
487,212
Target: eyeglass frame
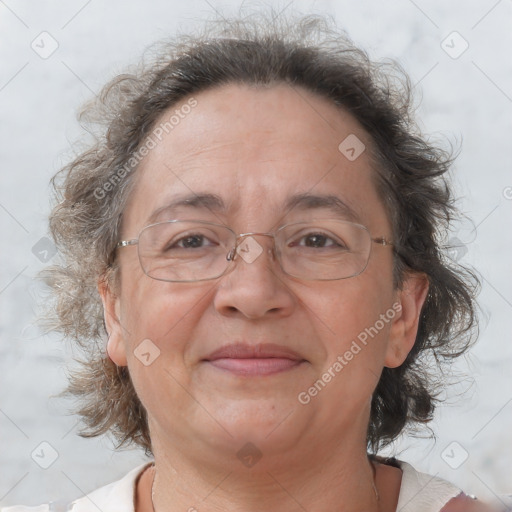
x,y
382,240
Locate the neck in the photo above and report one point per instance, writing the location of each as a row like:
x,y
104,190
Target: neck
x,y
335,483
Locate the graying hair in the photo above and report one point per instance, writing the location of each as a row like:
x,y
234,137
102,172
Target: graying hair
x,y
258,50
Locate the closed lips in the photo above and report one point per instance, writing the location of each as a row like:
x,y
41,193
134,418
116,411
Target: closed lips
x,y
254,360
260,351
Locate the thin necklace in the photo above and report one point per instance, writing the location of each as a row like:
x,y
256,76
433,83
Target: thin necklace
x,y
374,471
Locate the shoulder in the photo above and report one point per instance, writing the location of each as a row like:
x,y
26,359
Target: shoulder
x,y
48,507
464,503
421,491
419,486
118,495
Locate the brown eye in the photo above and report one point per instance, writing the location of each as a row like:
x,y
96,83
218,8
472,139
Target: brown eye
x,y
189,242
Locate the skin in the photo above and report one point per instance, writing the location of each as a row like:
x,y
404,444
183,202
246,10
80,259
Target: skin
x,y
255,147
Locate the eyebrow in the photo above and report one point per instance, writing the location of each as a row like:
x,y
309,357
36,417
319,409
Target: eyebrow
x,y
301,202
211,202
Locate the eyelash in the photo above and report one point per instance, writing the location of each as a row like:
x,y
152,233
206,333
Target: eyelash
x,y
301,238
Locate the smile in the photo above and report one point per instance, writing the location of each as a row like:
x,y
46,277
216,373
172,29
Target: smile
x,y
256,366
248,359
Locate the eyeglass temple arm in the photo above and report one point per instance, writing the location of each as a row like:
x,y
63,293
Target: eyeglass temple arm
x,y
382,241
126,243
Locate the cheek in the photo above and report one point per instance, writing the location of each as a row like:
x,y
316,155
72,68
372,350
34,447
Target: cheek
x,y
353,305
357,314
160,320
355,352
164,313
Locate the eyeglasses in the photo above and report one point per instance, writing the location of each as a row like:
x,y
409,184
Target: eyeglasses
x,y
190,251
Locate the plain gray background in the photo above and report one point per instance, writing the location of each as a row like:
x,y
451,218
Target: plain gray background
x,y
466,97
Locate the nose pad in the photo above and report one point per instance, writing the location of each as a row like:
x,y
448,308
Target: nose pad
x,y
251,249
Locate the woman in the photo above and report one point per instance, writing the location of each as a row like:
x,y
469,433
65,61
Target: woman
x,y
254,235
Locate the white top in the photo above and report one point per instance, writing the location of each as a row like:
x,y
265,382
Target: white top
x,y
419,492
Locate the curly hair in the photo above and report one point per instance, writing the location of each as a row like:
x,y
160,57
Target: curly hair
x,y
410,174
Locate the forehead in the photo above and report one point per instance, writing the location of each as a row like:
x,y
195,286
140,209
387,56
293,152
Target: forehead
x,y
255,148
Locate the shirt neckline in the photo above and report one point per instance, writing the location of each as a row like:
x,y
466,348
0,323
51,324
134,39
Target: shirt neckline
x,y
121,490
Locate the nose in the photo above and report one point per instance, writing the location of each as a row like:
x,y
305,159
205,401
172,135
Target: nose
x,y
256,286
247,246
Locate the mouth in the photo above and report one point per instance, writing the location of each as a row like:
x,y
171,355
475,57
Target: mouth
x,y
254,360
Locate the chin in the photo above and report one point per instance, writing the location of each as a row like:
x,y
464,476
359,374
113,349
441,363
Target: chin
x,y
264,424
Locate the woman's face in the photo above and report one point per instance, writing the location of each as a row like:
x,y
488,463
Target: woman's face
x,y
255,148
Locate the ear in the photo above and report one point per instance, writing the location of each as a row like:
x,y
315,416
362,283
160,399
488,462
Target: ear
x,y
404,328
115,343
